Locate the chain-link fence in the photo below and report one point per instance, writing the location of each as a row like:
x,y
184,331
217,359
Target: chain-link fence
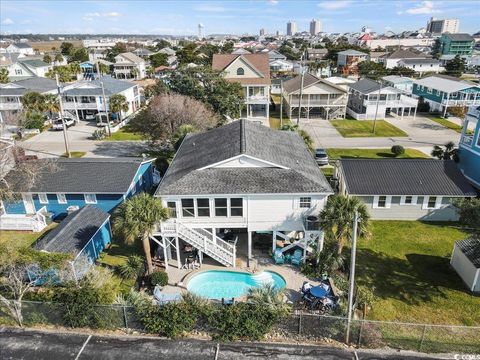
x,y
299,326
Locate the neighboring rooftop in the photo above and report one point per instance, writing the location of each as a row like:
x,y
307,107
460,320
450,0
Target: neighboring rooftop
x,y
94,87
22,45
295,83
33,62
366,86
405,54
20,87
131,58
74,232
83,175
459,37
405,177
471,249
352,53
259,62
419,61
395,79
292,167
447,84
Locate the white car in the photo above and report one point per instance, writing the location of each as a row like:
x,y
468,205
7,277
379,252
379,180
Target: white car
x,y
58,125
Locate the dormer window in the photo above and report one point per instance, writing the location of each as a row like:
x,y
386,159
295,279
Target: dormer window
x,y
240,71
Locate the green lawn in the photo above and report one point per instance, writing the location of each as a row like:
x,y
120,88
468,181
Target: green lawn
x,y
448,124
327,171
75,154
335,154
125,134
363,128
21,239
406,264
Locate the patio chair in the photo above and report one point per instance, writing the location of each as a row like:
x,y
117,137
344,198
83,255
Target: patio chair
x,y
162,298
278,257
297,257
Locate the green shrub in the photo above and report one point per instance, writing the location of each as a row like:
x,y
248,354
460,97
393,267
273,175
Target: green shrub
x,y
132,268
34,120
99,134
397,150
159,278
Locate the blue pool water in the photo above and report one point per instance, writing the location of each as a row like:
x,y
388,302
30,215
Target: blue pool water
x,y
218,284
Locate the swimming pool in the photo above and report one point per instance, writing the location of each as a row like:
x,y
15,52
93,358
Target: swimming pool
x,y
218,284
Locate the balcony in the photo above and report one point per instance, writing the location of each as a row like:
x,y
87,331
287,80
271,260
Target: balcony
x,y
80,106
10,106
258,99
461,102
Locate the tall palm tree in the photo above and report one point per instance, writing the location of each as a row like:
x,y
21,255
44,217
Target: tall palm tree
x,y
118,103
447,152
136,219
51,103
33,101
337,219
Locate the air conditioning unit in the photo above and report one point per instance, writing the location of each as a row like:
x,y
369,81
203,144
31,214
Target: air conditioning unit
x,y
72,209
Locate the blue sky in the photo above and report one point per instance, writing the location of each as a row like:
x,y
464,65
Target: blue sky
x,y
235,17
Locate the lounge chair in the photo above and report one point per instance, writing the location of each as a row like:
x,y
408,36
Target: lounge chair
x,y
163,298
297,257
278,257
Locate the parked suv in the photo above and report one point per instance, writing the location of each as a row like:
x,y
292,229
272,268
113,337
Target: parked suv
x,y
321,157
57,123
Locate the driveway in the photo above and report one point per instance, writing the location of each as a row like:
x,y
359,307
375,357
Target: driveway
x,y
49,345
51,143
423,134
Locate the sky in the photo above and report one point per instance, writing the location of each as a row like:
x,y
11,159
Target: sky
x,y
228,17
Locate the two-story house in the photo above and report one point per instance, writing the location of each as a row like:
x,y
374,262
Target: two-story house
x,y
391,60
469,147
129,66
422,65
369,99
456,44
22,48
442,92
69,184
348,60
245,177
321,99
401,83
84,99
252,71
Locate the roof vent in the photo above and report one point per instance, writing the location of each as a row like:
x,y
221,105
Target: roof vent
x,y
193,144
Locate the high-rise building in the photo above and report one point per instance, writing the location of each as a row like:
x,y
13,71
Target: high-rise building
x,y
262,32
315,27
291,28
201,31
440,26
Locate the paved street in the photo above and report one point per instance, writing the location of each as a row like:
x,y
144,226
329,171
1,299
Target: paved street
x,y
28,344
423,134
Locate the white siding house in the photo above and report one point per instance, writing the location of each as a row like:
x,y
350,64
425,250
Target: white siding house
x,y
466,262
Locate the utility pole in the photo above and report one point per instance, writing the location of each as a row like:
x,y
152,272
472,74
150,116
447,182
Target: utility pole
x,y
104,102
301,87
64,126
376,109
281,103
352,275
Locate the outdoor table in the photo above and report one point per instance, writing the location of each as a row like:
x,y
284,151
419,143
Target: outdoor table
x,y
318,291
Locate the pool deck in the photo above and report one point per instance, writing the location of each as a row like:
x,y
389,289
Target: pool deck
x,y
178,278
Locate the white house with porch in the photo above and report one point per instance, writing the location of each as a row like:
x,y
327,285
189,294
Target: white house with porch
x,y
260,184
129,66
252,71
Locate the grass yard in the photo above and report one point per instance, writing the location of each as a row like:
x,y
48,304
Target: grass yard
x,y
363,128
21,239
448,124
75,154
335,154
125,134
406,264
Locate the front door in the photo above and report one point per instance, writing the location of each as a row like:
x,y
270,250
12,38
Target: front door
x,y
28,203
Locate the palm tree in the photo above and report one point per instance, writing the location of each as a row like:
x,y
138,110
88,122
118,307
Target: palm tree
x,y
266,295
337,219
117,104
51,103
4,76
33,101
58,58
447,152
304,135
136,219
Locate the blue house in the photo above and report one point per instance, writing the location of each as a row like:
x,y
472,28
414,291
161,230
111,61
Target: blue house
x,y
469,148
83,234
74,183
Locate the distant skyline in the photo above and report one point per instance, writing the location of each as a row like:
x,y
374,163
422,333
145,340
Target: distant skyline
x,y
227,17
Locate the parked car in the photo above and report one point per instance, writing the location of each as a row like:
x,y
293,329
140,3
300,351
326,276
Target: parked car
x,y
57,123
321,157
102,119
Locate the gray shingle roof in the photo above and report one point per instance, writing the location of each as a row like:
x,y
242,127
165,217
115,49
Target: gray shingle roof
x,y
22,45
352,52
84,175
471,249
459,37
38,84
74,232
404,54
420,61
111,85
283,148
404,177
34,62
365,86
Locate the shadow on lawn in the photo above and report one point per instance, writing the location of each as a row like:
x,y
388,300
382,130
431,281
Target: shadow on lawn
x,y
417,279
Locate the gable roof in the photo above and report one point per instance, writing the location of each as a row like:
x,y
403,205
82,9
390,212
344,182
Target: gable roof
x,y
366,86
404,177
20,87
295,83
33,62
94,87
292,170
74,232
471,249
419,61
445,84
459,37
84,175
131,57
405,54
395,79
258,61
352,53
22,45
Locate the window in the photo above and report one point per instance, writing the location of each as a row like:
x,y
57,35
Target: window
x,y
408,200
429,90
140,181
240,71
432,202
172,209
382,202
42,197
62,199
203,207
90,198
236,207
220,207
18,71
305,202
188,209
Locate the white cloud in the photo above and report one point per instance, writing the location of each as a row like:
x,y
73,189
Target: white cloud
x,y
210,8
425,7
334,5
91,16
7,21
273,2
112,14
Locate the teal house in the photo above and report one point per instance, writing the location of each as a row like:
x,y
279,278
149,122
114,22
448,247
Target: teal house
x,y
442,92
456,44
469,148
70,184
